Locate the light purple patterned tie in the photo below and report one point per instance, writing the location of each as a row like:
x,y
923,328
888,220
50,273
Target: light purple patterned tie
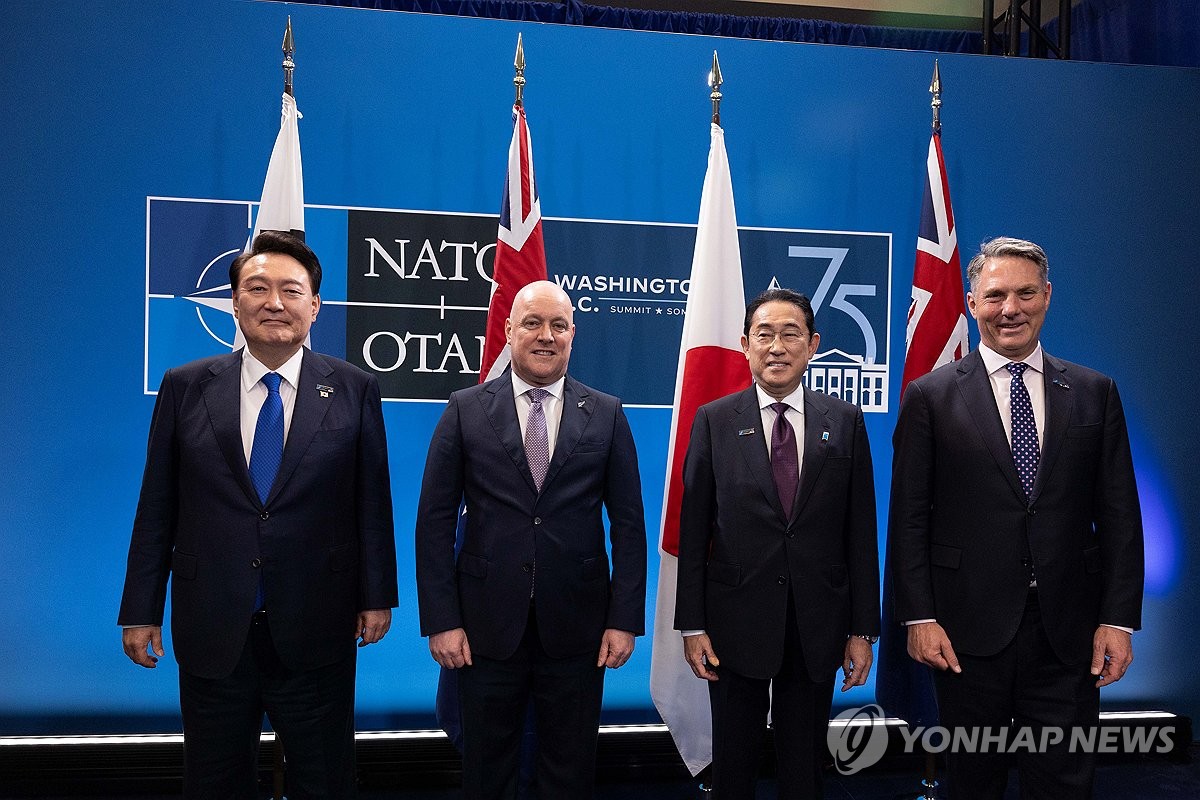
x,y
537,442
1025,449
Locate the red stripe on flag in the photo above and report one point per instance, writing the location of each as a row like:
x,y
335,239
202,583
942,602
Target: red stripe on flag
x,y
937,143
942,280
708,373
526,181
513,270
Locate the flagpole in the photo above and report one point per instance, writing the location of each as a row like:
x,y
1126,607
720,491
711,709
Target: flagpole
x,y
711,365
929,781
519,259
281,207
935,89
519,70
714,81
289,50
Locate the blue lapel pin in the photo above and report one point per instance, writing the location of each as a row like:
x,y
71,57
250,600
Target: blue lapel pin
x,y
326,391
825,436
746,432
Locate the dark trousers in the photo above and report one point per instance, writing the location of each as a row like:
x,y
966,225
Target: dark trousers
x,y
800,717
566,694
312,713
1024,685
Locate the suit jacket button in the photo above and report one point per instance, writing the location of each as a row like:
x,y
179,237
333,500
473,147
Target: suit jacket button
x,y
791,534
781,580
264,515
537,520
256,563
526,567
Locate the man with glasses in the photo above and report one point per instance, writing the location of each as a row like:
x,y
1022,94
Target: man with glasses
x,y
778,563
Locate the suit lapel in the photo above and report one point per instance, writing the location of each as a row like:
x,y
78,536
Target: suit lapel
x,y
500,407
577,410
1060,403
223,401
307,414
816,438
748,417
976,390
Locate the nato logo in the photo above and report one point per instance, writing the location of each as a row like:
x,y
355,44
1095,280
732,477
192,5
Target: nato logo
x,y
190,244
189,306
404,295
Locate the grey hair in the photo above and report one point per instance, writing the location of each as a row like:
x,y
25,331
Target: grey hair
x,y
1007,246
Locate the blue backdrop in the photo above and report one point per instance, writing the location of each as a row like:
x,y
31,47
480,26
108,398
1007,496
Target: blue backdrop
x,y
106,108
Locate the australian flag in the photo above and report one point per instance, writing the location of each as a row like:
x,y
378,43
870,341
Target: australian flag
x,y
937,335
937,319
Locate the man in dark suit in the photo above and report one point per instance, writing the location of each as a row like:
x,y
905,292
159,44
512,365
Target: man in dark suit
x,y
530,608
778,562
266,499
1016,534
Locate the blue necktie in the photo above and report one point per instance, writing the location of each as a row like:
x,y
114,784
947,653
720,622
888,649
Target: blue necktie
x,y
267,450
1025,449
537,442
784,463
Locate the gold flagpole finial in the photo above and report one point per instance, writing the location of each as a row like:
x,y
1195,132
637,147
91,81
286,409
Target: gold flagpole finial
x,y
935,89
519,77
289,49
714,82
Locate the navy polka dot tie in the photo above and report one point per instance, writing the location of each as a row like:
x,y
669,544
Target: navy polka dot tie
x,y
1025,450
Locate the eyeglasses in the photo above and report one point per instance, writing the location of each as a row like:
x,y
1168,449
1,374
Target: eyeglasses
x,y
766,338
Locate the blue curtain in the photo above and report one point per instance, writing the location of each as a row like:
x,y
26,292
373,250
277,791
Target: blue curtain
x,y
1165,32
572,12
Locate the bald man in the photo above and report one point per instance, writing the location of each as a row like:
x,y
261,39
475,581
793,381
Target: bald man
x,y
531,609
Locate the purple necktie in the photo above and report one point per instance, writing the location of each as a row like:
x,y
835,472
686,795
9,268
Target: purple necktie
x,y
537,442
1025,450
784,465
